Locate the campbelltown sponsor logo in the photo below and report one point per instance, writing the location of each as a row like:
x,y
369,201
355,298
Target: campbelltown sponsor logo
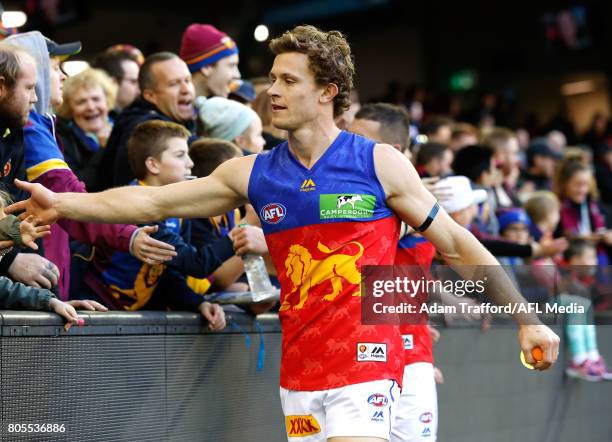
x,y
371,352
298,426
273,213
378,400
346,205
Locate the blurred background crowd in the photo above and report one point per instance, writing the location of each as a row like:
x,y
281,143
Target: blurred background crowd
x,y
507,120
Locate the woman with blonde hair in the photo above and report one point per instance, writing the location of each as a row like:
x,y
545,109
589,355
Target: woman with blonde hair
x,y
84,124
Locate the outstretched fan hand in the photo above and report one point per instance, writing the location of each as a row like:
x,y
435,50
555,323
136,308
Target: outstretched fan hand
x,y
31,231
40,205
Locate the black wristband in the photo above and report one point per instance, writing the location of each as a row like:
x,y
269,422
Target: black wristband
x,y
432,214
7,260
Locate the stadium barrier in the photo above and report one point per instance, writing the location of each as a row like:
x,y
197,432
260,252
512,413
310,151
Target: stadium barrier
x,y
156,376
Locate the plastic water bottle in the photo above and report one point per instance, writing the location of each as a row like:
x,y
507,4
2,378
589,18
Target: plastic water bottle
x,y
257,275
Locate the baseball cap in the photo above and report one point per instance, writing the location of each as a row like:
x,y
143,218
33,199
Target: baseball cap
x,y
62,51
455,193
244,90
203,45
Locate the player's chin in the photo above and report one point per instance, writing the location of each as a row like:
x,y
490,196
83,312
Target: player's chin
x,y
281,123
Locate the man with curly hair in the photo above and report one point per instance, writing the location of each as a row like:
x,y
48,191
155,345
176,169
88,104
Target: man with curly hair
x,y
329,202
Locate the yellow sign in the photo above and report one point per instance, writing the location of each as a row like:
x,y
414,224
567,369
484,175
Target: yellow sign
x,y
300,426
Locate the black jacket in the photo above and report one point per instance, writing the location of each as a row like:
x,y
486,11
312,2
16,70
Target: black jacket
x,y
114,168
12,165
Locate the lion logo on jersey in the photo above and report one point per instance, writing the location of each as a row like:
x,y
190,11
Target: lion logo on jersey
x,y
144,286
306,272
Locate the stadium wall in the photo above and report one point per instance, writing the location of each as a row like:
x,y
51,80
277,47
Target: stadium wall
x,y
154,376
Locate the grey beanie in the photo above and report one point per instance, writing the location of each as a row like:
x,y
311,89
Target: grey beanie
x,y
224,118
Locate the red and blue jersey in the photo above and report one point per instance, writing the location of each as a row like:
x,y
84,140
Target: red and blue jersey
x,y
321,225
413,250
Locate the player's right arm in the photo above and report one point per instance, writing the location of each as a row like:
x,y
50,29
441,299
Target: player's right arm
x,y
225,189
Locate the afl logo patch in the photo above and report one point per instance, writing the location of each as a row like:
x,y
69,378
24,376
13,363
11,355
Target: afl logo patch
x,y
273,213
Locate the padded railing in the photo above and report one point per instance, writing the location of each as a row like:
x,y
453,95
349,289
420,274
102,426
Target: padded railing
x,y
153,376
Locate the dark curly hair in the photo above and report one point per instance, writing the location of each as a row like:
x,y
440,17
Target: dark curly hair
x,y
329,55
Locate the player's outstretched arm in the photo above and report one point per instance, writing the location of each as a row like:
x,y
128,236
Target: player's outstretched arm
x,y
223,190
411,201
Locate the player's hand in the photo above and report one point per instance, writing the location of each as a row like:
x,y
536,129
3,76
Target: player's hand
x,y
31,231
214,314
150,250
41,203
531,336
87,304
249,239
66,311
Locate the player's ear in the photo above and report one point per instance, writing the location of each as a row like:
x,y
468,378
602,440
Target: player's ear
x,y
329,93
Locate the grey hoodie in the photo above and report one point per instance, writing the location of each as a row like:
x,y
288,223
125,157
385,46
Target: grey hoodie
x,y
35,44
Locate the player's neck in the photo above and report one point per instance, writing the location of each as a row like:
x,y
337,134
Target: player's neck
x,y
310,142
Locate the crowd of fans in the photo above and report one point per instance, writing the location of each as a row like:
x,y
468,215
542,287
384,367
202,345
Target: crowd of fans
x,y
529,196
543,208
